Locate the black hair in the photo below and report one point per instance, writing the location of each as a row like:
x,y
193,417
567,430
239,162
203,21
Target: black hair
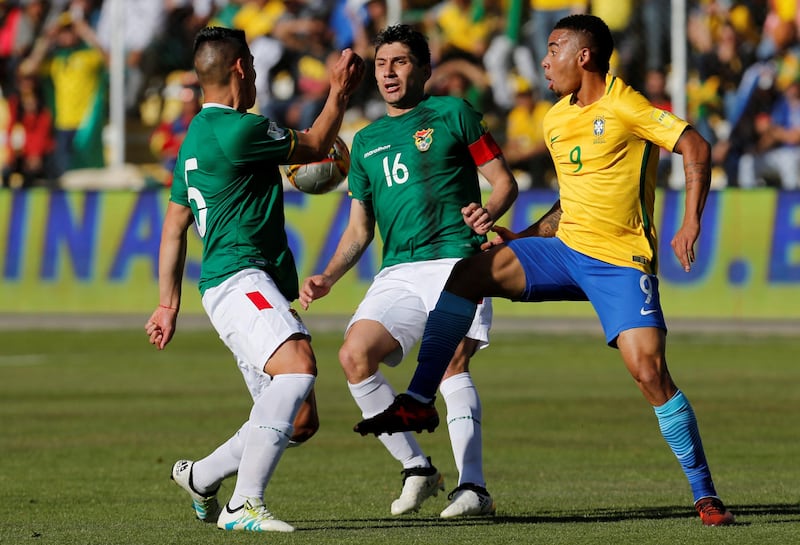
x,y
215,50
233,37
416,42
601,42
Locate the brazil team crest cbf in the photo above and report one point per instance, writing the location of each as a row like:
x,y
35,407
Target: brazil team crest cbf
x,y
423,139
599,129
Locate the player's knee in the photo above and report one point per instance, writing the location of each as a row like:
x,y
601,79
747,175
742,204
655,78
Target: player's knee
x,y
295,355
645,377
651,376
355,364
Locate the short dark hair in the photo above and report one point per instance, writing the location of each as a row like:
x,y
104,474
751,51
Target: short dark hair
x,y
416,42
215,49
601,42
232,36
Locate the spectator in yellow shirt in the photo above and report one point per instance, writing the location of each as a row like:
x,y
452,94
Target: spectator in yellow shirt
x,y
524,147
77,69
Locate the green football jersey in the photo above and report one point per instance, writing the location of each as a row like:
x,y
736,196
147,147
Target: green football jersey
x,y
416,172
227,172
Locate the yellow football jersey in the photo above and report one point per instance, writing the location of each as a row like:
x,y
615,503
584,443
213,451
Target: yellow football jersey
x,y
605,155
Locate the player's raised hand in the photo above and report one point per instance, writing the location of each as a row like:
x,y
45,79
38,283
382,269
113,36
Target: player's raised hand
x,y
313,288
347,72
161,326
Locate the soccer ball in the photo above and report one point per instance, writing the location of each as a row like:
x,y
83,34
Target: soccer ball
x,y
321,176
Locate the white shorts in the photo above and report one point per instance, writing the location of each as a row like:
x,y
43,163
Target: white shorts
x,y
253,319
401,297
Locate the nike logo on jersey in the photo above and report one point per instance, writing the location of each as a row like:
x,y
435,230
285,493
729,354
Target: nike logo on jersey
x,y
554,138
644,312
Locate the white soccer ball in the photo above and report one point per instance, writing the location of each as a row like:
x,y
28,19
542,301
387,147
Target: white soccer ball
x,y
321,176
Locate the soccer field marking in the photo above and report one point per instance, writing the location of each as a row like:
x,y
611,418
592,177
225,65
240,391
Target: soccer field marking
x,y
22,360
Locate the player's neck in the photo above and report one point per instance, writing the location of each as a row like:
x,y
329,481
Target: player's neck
x,y
219,98
593,88
396,110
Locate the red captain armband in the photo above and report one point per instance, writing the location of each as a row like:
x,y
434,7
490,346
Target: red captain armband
x,y
484,149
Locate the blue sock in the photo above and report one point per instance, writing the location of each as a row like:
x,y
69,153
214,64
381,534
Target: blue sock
x,y
679,427
446,326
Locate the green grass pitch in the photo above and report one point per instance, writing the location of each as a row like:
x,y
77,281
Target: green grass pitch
x,y
91,423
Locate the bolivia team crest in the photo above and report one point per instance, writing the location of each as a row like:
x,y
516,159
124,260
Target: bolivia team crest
x,y
423,139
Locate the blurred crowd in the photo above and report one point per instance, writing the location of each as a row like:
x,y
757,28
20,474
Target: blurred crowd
x,y
743,88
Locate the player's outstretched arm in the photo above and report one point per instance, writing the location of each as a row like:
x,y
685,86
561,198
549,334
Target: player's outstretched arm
x,y
546,227
696,153
171,259
357,236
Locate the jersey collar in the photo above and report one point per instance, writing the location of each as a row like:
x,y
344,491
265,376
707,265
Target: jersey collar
x,y
216,105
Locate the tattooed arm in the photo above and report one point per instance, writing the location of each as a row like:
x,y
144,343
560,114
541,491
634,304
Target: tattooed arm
x,y
546,227
356,237
547,224
696,154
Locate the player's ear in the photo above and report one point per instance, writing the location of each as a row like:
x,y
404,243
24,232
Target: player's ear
x,y
584,55
238,68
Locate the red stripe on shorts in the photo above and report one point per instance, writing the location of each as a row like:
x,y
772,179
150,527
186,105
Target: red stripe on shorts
x,y
258,300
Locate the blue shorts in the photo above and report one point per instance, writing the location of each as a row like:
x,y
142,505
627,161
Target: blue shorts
x,y
623,297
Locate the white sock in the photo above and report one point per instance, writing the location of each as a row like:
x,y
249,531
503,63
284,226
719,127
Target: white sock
x,y
372,396
464,424
271,426
209,472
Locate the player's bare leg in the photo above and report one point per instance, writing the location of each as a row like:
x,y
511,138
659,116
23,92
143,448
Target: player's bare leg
x,y
306,423
643,351
366,344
